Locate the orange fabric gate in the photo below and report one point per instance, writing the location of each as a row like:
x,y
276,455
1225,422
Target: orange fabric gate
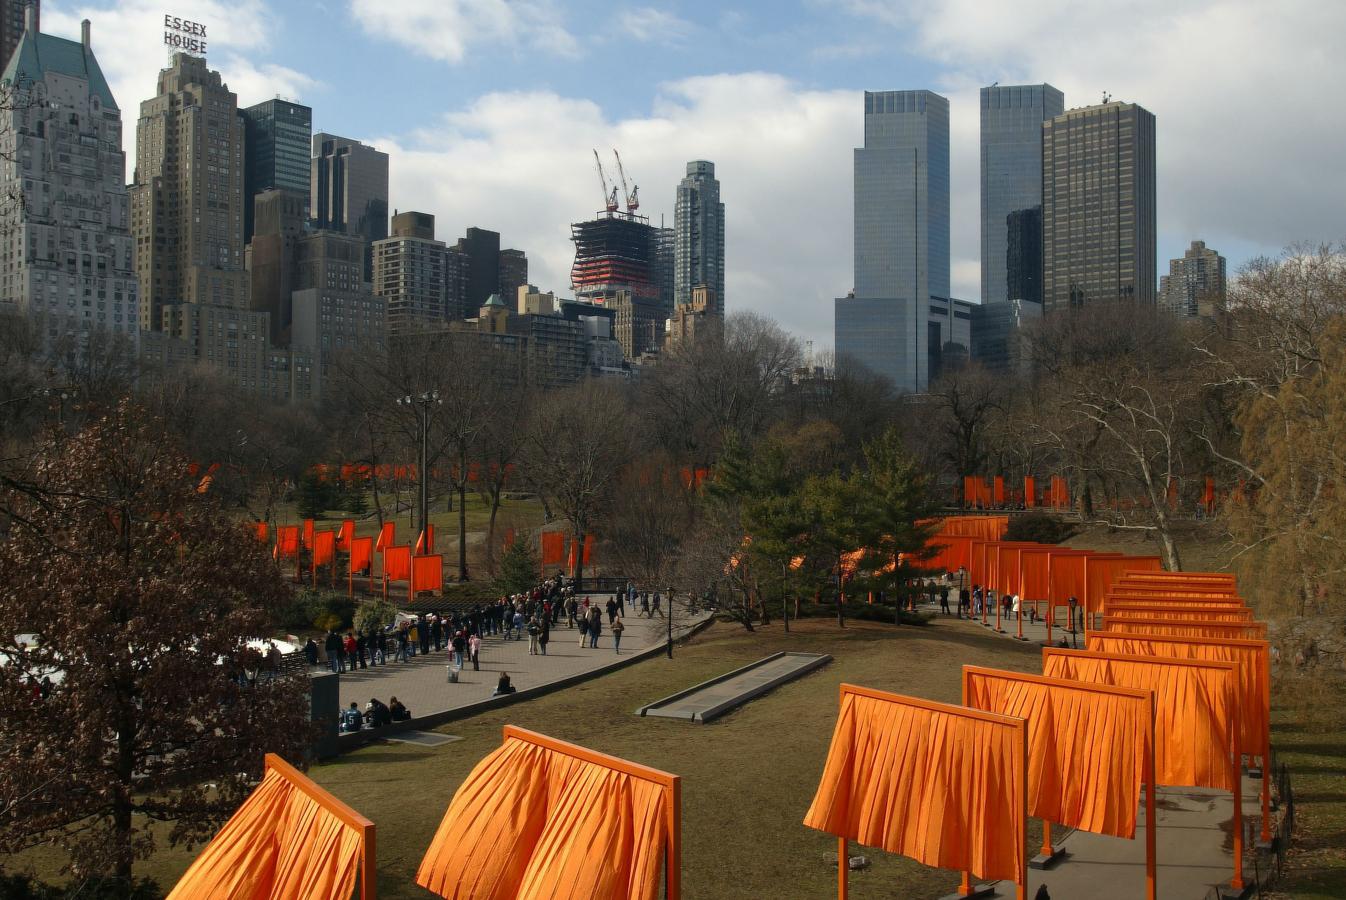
x,y
944,785
290,840
539,819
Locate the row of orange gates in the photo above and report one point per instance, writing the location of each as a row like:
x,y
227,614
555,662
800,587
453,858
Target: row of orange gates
x,y
997,493
1172,689
417,565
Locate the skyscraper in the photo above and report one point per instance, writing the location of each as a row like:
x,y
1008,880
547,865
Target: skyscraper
x,y
1098,206
513,268
66,235
334,311
280,216
409,273
187,199
349,188
1195,283
665,260
278,140
482,248
12,13
698,223
1023,256
1011,172
901,238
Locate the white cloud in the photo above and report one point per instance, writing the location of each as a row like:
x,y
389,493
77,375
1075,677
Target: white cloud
x,y
1248,155
447,30
645,23
522,164
128,42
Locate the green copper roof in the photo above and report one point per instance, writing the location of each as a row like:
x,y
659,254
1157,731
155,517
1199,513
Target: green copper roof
x,y
38,54
494,300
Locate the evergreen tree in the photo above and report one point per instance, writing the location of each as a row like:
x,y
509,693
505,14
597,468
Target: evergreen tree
x,y
518,568
312,495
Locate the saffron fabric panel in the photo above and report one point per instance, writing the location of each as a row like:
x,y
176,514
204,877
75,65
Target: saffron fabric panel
x,y
345,535
589,548
362,554
287,541
427,573
261,532
938,787
1067,576
553,548
324,547
1030,491
1033,574
425,541
280,845
397,563
1121,610
530,823
308,534
1251,657
386,537
1253,631
1101,571
1196,708
1086,747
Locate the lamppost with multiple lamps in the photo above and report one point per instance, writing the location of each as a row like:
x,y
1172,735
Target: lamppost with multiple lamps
x,y
421,403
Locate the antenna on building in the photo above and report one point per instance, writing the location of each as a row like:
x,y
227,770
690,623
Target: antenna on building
x,y
609,200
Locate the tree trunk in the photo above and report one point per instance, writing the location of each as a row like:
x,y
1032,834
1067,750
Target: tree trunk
x,y
462,524
578,573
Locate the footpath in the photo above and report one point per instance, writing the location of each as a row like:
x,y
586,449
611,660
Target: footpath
x,y
423,686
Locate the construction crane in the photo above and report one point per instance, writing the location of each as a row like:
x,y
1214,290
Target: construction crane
x,y
609,199
632,196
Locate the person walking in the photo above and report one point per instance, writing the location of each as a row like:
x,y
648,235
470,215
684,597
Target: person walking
x,y
518,623
944,600
617,627
645,604
655,608
534,629
361,649
333,647
571,605
611,607
459,644
595,626
474,650
620,596
584,630
311,652
544,635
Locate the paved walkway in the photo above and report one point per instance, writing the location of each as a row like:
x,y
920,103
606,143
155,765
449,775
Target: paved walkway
x,y
422,683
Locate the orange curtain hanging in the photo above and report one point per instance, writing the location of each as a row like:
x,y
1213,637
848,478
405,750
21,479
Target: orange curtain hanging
x,y
1196,708
287,542
290,840
553,548
344,536
588,549
427,573
1255,631
308,534
539,819
261,532
1030,492
425,541
324,548
397,563
1101,571
386,537
1121,609
1087,745
998,490
362,554
941,784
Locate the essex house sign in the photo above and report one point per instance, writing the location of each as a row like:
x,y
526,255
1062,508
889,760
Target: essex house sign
x,y
184,36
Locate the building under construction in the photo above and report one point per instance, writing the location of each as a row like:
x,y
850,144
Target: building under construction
x,y
615,251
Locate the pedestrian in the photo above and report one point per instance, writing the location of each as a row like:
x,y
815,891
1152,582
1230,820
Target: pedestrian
x,y
518,623
620,596
413,637
424,632
944,600
645,604
459,647
655,608
474,650
584,630
533,631
612,610
311,652
361,649
571,605
273,660
348,648
437,632
595,626
617,628
334,653
544,635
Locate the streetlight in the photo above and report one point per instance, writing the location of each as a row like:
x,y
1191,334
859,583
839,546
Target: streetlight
x,y
421,404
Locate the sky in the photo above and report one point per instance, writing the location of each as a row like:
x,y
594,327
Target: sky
x,y
490,110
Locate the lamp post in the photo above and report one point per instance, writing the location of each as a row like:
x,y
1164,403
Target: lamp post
x,y
785,595
421,403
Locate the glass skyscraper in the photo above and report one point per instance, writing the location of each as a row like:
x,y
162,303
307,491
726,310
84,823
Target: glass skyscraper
x,y
350,189
901,237
1011,171
1098,206
277,142
698,220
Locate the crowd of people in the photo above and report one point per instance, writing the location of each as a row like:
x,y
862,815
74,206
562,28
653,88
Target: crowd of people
x,y
536,614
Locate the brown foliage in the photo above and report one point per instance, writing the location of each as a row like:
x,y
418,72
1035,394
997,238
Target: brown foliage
x,y
141,593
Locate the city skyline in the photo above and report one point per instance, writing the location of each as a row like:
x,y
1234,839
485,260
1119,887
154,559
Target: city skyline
x,y
467,149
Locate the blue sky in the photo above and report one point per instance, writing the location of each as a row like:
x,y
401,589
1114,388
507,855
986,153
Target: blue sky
x,y
490,108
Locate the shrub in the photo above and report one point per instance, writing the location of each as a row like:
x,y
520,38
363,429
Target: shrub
x,y
374,615
518,569
308,608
